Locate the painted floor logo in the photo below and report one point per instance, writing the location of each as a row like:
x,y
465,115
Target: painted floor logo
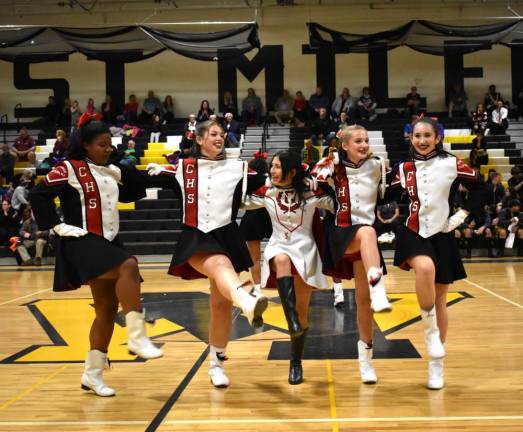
x,y
333,332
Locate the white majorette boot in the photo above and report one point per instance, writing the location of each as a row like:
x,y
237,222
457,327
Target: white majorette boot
x,y
339,298
435,348
256,290
367,372
216,371
436,380
252,305
138,343
92,378
378,296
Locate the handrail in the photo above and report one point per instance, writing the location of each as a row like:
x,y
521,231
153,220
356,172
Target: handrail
x,y
265,135
18,105
2,118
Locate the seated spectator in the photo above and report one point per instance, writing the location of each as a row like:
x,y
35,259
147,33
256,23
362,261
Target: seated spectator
x,y
300,109
189,132
367,106
51,113
413,102
151,107
76,112
130,110
252,108
232,131
310,154
343,103
65,115
344,121
495,190
458,102
90,108
60,147
491,98
330,143
478,155
388,220
228,104
511,221
30,235
156,129
479,119
9,224
205,111
19,198
499,120
7,165
478,227
515,183
168,110
407,130
321,127
283,108
317,101
129,155
23,148
108,110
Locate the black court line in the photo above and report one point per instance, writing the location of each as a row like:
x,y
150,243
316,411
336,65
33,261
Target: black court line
x,y
158,419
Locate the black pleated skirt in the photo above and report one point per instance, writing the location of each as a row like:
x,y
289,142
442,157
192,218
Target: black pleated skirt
x,y
79,260
336,262
256,225
441,247
227,240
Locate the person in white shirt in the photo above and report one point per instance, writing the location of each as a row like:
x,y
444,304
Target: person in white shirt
x,y
426,241
291,257
499,123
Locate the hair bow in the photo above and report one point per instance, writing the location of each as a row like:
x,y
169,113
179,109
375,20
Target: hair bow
x,y
260,155
86,118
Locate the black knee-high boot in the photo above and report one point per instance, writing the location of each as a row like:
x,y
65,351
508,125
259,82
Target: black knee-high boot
x,y
501,247
469,246
295,369
519,243
489,241
288,302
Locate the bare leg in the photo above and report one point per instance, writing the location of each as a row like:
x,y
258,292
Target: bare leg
x,y
425,275
254,250
441,310
303,298
364,312
365,242
127,283
105,307
221,317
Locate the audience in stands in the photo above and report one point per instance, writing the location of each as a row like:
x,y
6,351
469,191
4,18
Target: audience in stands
x,y
511,221
129,155
300,109
60,147
23,148
31,236
491,99
65,115
317,101
189,131
367,106
252,108
9,222
168,110
495,190
344,121
228,104
458,102
387,221
205,111
151,107
51,113
76,112
310,154
330,143
515,183
108,110
283,108
480,119
7,165
407,130
413,103
130,110
321,127
477,227
19,198
499,120
478,155
232,131
156,129
342,103
90,108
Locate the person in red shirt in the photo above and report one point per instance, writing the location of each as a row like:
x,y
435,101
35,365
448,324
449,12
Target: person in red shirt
x,y
130,110
24,147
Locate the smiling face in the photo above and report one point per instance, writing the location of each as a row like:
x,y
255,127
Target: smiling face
x,y
424,138
99,149
356,145
276,173
212,142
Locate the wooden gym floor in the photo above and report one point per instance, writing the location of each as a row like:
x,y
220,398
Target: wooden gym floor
x,y
43,341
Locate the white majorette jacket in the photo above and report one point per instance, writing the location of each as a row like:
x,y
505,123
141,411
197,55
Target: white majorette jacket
x,y
210,190
89,196
292,230
430,182
355,186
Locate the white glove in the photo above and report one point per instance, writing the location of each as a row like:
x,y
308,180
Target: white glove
x,y
311,183
455,220
153,169
65,230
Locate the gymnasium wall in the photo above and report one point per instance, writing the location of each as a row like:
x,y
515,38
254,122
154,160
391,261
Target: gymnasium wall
x,y
189,81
